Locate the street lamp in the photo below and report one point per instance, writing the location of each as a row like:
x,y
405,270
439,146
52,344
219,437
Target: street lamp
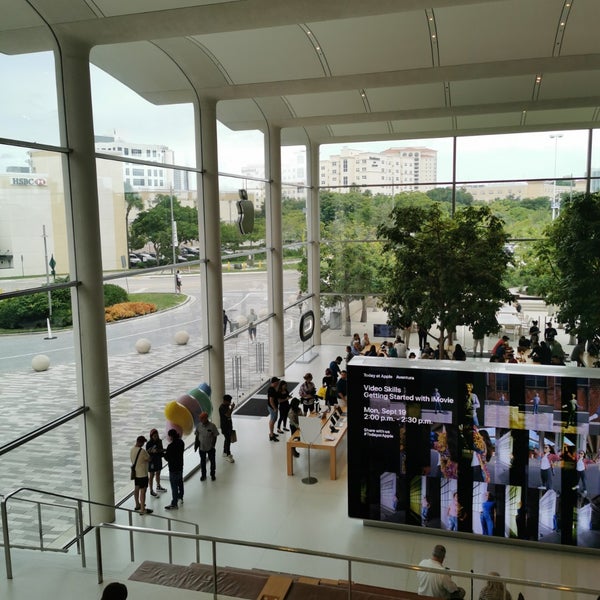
x,y
555,204
174,241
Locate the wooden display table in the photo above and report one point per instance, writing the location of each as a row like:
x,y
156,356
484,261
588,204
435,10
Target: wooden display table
x,y
321,443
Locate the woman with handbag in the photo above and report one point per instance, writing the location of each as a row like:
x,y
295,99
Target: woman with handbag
x,y
283,398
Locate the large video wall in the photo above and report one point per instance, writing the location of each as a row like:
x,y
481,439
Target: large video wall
x,y
507,451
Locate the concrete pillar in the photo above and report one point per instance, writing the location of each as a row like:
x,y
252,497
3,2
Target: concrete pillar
x,y
209,223
274,251
313,218
85,258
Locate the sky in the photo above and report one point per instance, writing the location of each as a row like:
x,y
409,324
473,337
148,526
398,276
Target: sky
x,y
29,111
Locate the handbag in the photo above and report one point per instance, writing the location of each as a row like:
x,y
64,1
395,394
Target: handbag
x,y
132,473
233,436
322,392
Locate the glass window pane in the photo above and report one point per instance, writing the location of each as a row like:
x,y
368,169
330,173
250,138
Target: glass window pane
x,y
29,111
595,183
241,152
126,124
386,167
544,155
33,224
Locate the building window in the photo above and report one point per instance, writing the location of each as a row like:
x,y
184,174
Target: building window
x,y
136,152
139,181
137,172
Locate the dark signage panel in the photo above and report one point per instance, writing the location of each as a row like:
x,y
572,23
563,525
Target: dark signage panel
x,y
506,451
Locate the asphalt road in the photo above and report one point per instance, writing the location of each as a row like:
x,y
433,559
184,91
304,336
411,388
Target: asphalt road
x,y
241,291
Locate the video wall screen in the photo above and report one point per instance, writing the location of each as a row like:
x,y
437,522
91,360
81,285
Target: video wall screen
x,y
508,451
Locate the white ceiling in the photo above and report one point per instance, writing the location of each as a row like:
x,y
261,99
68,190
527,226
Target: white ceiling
x,y
342,70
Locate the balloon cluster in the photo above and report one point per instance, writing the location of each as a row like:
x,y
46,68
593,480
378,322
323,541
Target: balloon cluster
x,y
183,414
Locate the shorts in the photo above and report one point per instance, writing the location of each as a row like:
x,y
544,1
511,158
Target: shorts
x,y
141,482
272,413
154,467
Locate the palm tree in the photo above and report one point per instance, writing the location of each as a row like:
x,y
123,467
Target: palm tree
x,y
132,200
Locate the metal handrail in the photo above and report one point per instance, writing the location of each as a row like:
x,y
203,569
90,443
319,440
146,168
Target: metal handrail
x,y
80,531
330,555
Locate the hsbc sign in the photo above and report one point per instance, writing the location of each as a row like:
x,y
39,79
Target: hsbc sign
x,y
35,181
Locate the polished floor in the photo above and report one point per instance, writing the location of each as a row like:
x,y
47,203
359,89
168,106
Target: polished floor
x,y
255,500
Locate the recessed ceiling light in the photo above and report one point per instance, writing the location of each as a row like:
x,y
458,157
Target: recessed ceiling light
x,y
433,35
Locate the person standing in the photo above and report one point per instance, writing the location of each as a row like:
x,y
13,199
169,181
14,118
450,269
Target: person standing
x,y
342,389
580,470
438,585
252,317
225,410
307,393
488,515
205,443
272,408
294,416
283,406
334,367
225,322
174,458
536,403
453,509
154,447
178,282
546,469
139,462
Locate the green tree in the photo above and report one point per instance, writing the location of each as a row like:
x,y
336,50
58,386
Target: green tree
x,y
132,201
444,269
153,226
570,258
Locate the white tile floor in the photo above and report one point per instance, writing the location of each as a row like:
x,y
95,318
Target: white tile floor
x,y
255,500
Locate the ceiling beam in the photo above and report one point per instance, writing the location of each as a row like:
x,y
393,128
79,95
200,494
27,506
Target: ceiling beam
x,y
466,72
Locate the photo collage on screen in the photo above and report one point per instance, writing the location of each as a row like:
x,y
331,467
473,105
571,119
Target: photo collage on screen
x,y
501,454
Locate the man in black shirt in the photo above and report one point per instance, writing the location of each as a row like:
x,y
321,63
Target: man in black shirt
x,y
225,410
174,458
272,407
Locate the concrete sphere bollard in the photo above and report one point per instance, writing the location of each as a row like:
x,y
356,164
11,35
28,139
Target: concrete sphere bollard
x,y
40,362
182,338
143,346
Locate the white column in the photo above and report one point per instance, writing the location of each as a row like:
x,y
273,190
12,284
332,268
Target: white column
x,y
274,251
85,257
313,219
209,224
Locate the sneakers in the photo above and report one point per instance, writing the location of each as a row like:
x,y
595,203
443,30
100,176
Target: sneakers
x,y
285,429
153,493
137,507
212,477
159,488
148,511
203,478
229,458
171,507
280,431
273,438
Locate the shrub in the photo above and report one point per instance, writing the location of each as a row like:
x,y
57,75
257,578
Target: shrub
x,y
114,294
127,310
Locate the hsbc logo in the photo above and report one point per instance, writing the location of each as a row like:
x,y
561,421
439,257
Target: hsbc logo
x,y
36,181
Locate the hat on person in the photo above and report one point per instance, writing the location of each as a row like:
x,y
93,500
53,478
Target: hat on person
x,y
274,379
141,439
227,398
203,417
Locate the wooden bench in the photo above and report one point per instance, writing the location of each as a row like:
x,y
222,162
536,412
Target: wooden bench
x,y
323,444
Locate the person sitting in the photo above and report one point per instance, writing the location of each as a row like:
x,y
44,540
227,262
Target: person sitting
x,y
524,344
494,590
459,353
438,585
356,349
366,342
